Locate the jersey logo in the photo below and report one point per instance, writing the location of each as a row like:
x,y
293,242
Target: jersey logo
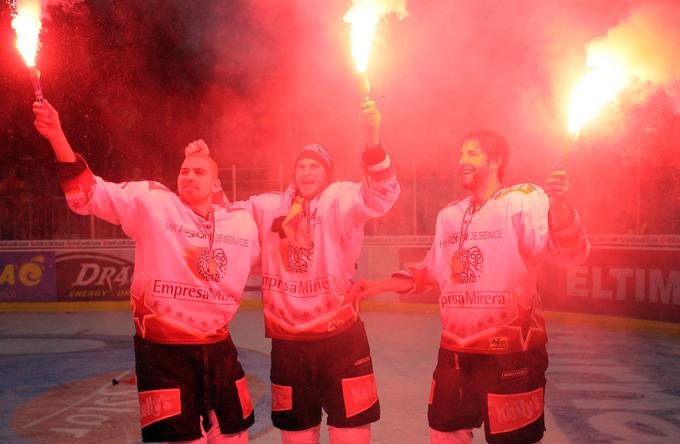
x,y
466,267
212,264
298,259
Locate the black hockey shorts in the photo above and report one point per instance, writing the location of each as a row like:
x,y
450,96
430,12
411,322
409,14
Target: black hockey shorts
x,y
506,392
179,384
334,373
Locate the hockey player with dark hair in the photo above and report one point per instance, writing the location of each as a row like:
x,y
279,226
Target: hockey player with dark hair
x,y
486,250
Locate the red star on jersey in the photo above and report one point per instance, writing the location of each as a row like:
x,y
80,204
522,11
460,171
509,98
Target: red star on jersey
x,y
141,312
524,321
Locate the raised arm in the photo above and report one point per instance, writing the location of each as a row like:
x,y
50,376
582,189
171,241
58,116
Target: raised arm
x,y
557,188
370,120
549,226
49,126
86,193
375,195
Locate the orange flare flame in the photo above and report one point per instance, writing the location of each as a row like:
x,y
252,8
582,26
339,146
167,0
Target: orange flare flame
x,y
594,90
364,16
27,24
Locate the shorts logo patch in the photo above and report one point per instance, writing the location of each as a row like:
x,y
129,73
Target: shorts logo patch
x,y
156,405
362,361
511,374
498,343
359,394
334,325
512,412
282,398
432,391
244,397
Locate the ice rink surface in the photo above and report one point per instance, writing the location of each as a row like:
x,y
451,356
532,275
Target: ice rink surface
x,y
604,385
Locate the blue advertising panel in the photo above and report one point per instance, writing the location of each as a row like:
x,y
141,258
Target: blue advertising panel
x,y
94,275
28,276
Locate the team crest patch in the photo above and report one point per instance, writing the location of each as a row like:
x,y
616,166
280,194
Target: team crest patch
x,y
211,265
466,267
299,259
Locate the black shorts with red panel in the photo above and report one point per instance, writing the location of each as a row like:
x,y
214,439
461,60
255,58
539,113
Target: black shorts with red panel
x,y
506,392
179,384
334,374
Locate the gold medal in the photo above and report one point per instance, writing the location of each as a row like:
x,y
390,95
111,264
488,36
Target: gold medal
x,y
212,266
456,268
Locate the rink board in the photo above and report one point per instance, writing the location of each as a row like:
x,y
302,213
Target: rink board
x,y
625,275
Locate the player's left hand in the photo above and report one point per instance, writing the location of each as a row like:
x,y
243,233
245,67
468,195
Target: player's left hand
x,y
363,288
370,119
47,120
557,188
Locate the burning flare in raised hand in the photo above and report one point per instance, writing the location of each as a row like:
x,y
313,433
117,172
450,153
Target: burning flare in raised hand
x,y
643,46
364,16
595,89
27,25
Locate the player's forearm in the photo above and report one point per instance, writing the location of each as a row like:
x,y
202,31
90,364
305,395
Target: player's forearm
x,y
62,149
372,139
561,216
397,284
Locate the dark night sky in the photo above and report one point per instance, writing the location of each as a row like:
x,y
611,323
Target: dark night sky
x,y
136,80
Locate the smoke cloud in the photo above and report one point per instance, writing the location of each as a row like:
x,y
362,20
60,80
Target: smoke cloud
x,y
136,80
647,44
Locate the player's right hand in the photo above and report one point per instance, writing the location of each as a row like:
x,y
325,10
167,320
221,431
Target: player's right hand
x,y
370,119
197,147
363,288
557,188
47,120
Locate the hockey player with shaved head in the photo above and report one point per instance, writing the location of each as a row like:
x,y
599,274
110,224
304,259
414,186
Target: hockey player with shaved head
x,y
192,257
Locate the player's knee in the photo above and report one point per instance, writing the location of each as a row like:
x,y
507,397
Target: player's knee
x,y
215,436
233,438
192,441
463,436
350,435
306,436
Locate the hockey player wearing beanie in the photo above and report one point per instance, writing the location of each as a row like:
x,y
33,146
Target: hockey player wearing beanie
x,y
191,386
486,250
311,236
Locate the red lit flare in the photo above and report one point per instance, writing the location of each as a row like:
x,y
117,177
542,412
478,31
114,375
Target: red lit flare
x,y
27,25
364,16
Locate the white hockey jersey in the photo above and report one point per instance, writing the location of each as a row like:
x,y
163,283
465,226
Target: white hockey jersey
x,y
305,290
485,264
186,288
